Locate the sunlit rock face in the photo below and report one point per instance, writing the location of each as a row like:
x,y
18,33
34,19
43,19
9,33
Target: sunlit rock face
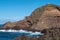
x,y
49,18
42,18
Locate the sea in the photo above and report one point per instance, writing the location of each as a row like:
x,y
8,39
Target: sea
x,y
11,34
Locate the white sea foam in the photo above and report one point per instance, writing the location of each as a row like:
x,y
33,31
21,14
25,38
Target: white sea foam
x,y
36,33
22,31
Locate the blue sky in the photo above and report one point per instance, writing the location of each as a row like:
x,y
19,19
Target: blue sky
x,y
18,9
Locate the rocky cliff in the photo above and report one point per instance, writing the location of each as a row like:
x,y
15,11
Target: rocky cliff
x,y
44,17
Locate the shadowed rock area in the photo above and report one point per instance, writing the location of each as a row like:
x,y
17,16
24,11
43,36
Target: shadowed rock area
x,y
45,19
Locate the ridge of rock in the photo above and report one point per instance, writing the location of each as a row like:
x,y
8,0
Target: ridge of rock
x,y
42,18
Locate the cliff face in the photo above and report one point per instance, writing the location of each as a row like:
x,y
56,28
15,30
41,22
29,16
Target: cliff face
x,y
48,19
42,18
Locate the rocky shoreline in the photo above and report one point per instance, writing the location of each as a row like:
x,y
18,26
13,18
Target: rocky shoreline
x,y
45,19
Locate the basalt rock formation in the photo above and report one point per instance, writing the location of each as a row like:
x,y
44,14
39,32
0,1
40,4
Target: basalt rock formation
x,y
42,18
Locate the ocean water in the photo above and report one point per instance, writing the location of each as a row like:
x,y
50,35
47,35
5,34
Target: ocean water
x,y
11,34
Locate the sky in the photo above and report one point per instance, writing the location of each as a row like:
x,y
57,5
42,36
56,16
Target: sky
x,y
15,10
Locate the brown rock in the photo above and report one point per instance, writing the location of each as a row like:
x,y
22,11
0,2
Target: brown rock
x,y
26,38
49,18
9,25
51,34
17,38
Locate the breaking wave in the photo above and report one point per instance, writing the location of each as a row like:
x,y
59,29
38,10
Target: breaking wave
x,y
23,32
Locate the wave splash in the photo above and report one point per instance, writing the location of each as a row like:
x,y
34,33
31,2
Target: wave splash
x,y
23,31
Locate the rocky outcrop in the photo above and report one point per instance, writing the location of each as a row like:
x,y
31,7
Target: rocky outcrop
x,y
51,34
9,25
42,18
